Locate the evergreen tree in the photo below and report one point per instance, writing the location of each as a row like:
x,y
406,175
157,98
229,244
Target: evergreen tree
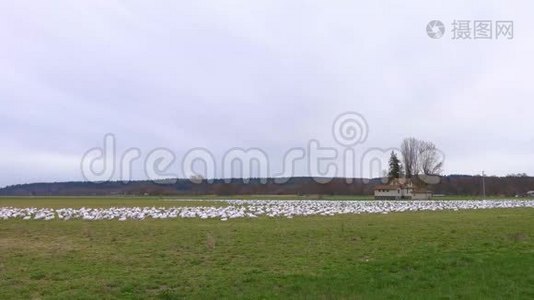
x,y
395,168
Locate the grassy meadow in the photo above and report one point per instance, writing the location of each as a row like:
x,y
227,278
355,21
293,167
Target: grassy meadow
x,y
465,254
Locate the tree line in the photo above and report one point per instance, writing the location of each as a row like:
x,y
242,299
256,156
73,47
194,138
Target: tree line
x,y
448,185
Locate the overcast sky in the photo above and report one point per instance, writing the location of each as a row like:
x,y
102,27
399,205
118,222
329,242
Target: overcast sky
x,y
267,74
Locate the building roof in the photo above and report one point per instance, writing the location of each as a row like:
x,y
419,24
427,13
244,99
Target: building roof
x,y
387,187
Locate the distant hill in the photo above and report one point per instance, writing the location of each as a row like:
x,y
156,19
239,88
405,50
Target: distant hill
x,y
449,185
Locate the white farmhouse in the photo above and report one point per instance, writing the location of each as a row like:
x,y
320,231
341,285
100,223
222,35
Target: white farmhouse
x,y
401,189
390,192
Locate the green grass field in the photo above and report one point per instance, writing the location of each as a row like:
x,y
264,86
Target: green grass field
x,y
425,255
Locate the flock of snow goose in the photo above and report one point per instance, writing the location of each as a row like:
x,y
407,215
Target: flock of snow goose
x,y
253,209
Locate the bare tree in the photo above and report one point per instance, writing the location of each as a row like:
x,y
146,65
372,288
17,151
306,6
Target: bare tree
x,y
420,157
410,152
430,160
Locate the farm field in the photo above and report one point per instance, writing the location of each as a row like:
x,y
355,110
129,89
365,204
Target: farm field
x,y
445,254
